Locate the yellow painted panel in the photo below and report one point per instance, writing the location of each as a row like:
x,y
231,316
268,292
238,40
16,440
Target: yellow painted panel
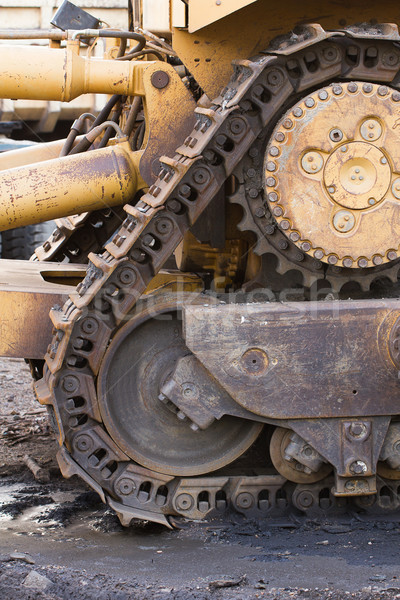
x,y
205,12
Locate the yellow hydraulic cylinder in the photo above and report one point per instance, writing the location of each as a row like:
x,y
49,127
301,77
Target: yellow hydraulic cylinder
x,y
32,154
37,73
68,185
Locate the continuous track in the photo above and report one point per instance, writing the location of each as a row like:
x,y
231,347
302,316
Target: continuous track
x,y
222,136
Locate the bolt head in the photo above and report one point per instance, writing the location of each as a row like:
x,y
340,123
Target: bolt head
x,y
358,467
273,197
357,429
160,79
260,212
244,500
336,135
305,499
184,502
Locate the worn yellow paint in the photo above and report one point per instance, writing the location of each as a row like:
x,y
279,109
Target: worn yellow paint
x,y
39,73
208,53
205,12
170,117
69,185
28,290
26,297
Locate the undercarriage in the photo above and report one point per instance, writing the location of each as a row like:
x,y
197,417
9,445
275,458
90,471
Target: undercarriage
x,y
230,338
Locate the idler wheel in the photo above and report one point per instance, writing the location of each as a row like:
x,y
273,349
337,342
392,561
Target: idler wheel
x,y
139,360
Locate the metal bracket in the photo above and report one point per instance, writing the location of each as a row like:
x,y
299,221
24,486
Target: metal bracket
x,y
197,396
351,446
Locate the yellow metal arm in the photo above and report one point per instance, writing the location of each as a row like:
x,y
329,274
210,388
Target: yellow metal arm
x,y
61,74
64,186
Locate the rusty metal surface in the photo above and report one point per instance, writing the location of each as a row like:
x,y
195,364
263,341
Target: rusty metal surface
x,y
289,468
352,446
197,397
28,290
325,359
133,413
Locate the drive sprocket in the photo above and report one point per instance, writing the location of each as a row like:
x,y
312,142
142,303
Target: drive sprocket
x,y
319,191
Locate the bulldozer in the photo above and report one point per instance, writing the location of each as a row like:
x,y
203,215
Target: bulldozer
x,y
214,323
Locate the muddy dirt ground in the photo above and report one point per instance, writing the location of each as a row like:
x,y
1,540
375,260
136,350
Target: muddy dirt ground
x,y
58,541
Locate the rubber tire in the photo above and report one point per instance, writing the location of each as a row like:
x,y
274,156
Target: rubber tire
x,y
20,243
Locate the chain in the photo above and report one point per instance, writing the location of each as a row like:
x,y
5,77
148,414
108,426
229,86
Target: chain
x,y
148,234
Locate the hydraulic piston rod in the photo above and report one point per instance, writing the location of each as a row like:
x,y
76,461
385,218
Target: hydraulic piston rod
x,y
69,185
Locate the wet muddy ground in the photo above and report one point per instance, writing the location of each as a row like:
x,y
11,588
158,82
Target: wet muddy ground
x,y
58,541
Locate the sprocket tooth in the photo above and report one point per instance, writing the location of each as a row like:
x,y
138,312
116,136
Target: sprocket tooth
x,y
282,266
365,283
236,198
336,284
309,278
262,246
246,225
393,275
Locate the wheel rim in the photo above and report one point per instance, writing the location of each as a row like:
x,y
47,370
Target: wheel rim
x,y
141,425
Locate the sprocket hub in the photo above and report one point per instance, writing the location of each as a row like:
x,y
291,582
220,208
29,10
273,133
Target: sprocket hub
x,y
333,180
